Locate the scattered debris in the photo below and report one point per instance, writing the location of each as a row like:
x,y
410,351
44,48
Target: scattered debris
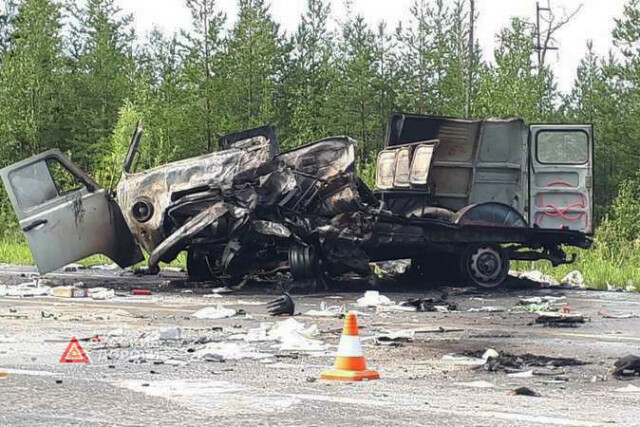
x,y
538,276
374,299
391,268
525,374
71,268
628,389
627,366
574,279
605,314
487,309
25,290
502,361
431,304
559,319
327,311
101,293
394,308
106,267
75,291
294,335
259,334
538,308
281,306
470,359
438,330
219,312
524,391
541,299
290,335
499,336
477,384
223,351
171,333
393,338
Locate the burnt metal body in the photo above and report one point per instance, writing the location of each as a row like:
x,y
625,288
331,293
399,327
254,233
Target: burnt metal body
x,y
461,187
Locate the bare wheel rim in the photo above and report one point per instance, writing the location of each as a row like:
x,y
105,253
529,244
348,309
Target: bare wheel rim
x,y
486,265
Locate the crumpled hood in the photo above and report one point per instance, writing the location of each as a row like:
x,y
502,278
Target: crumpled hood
x,y
161,186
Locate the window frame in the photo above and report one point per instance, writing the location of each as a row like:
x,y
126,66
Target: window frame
x,y
564,163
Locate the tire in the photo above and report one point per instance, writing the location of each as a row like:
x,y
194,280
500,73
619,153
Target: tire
x,y
198,267
485,265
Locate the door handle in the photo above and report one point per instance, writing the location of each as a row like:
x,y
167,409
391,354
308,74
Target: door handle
x,y
34,224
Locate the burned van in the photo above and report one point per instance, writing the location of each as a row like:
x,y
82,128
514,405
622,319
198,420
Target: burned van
x,y
477,193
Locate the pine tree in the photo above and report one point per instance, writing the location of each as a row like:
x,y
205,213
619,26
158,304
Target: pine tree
x,y
101,76
204,45
310,75
513,87
592,101
253,65
30,93
355,99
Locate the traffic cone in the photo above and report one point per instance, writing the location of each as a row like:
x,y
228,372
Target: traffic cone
x,y
350,364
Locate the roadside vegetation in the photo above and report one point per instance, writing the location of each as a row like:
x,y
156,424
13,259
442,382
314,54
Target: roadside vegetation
x,y
75,76
614,260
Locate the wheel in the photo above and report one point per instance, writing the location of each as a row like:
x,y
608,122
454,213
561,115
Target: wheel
x,y
198,267
485,265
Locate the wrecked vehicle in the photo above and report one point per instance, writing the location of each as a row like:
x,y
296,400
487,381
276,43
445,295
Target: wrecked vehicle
x,y
474,193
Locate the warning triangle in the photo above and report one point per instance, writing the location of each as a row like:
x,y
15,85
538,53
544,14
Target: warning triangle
x,y
74,353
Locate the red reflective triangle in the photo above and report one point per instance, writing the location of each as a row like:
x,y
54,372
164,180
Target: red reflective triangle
x,y
74,353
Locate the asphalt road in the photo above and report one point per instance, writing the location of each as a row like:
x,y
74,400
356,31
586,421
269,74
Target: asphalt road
x,y
135,377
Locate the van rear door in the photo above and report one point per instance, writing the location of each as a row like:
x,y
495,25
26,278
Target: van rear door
x,y
560,177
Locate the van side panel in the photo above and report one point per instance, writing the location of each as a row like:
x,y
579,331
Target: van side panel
x,y
476,160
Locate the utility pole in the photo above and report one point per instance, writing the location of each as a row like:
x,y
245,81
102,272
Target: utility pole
x,y
472,13
541,48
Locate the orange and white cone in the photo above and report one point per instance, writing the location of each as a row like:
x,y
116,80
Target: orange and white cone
x,y
350,364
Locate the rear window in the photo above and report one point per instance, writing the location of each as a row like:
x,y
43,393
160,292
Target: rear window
x,y
563,147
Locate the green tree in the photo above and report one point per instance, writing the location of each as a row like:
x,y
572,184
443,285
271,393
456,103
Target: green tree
x,y
435,58
202,75
101,76
310,75
513,87
30,90
354,101
592,100
253,66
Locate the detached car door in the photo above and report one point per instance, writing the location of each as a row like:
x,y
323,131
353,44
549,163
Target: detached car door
x,y
560,177
65,215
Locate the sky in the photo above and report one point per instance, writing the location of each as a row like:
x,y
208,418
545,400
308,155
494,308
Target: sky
x,y
594,22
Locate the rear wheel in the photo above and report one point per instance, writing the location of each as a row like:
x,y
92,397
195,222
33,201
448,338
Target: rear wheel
x,y
485,265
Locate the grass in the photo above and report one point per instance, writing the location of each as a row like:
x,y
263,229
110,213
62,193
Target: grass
x,y
14,250
603,267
